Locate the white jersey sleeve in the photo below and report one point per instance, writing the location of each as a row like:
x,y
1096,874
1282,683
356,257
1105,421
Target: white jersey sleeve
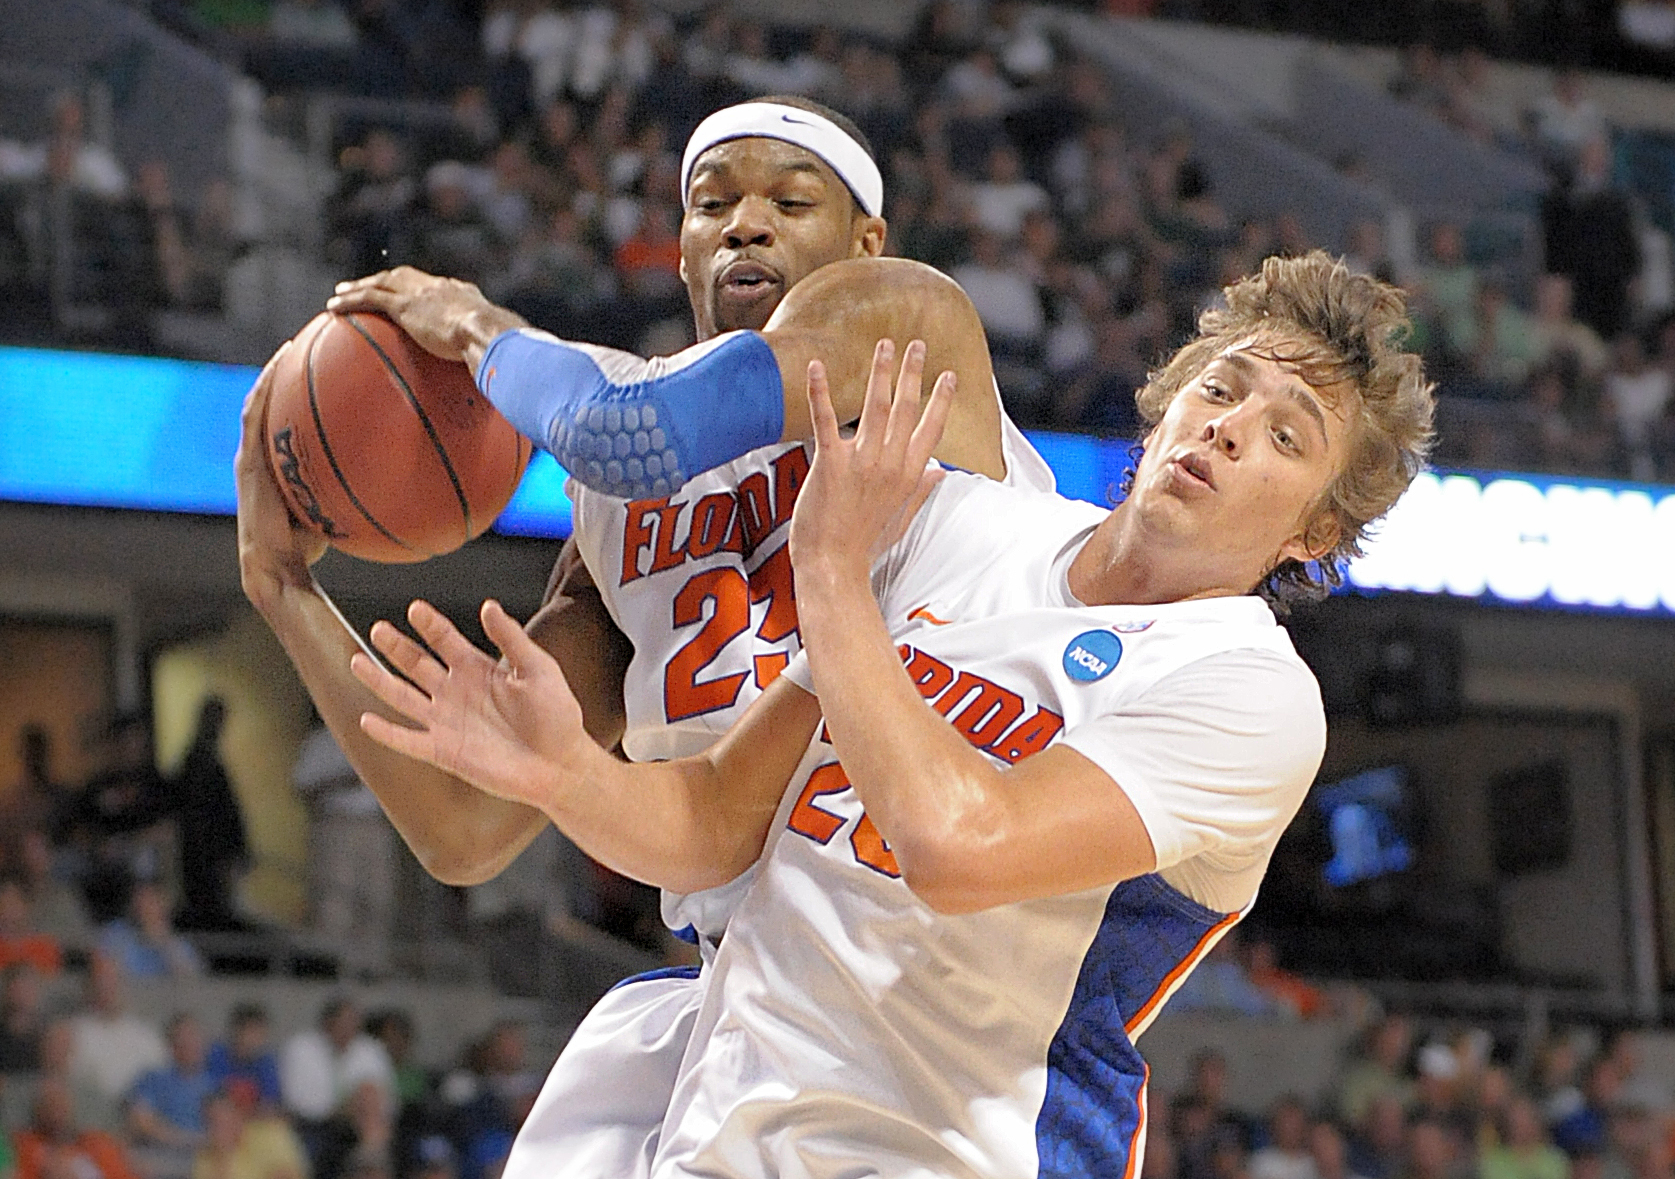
x,y
1215,758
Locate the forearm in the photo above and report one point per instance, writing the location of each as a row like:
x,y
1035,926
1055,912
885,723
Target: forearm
x,y
460,834
936,800
634,428
666,824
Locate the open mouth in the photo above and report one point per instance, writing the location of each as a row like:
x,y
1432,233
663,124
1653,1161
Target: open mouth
x,y
747,280
1197,468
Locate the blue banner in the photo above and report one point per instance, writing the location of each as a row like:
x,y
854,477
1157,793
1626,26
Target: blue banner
x,y
137,432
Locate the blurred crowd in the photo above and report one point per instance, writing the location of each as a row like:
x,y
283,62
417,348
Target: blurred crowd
x,y
1632,35
132,877
1087,244
1452,1103
1578,358
91,1089
543,165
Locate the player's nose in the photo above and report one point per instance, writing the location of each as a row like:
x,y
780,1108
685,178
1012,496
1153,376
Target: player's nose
x,y
750,225
1225,432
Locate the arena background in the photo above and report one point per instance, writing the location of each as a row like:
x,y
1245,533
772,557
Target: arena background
x,y
1485,873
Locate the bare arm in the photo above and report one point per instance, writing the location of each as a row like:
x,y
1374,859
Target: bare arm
x,y
513,728
967,834
834,314
460,834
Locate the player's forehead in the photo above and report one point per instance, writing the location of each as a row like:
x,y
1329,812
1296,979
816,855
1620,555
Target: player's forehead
x,y
1289,365
760,161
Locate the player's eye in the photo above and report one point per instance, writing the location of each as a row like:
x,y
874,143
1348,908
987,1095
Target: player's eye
x,y
1287,440
1216,392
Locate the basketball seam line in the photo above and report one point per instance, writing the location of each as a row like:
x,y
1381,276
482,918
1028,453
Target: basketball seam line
x,y
424,420
325,445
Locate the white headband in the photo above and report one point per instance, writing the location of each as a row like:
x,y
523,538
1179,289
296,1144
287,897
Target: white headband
x,y
815,133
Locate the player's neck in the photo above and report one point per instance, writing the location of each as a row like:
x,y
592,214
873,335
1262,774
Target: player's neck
x,y
1123,563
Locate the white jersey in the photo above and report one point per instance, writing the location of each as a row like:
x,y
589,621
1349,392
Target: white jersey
x,y
847,1028
700,582
602,1108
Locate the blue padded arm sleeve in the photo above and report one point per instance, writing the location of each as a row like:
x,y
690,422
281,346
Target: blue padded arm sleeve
x,y
636,428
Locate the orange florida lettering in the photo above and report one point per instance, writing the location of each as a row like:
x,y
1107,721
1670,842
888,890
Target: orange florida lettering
x,y
673,532
989,716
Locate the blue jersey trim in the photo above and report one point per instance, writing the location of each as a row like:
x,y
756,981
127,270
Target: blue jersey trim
x,y
1090,1119
660,972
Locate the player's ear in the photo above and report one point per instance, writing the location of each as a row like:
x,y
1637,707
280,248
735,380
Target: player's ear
x,y
867,236
1317,538
681,268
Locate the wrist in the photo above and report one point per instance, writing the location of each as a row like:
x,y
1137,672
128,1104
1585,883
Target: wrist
x,y
478,328
832,581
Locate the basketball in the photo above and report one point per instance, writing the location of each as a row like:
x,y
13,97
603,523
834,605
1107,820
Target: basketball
x,y
389,452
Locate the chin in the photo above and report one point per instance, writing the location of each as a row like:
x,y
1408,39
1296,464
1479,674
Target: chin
x,y
753,320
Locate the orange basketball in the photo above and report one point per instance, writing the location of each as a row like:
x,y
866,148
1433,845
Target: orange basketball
x,y
390,453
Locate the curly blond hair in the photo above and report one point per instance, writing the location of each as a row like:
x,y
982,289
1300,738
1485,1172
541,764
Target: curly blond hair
x,y
1336,328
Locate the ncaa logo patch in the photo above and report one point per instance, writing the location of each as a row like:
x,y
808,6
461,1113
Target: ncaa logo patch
x,y
1092,655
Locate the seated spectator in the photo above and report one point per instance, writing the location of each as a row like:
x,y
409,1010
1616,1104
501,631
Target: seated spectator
x,y
20,941
246,1056
112,1047
67,158
501,1091
1330,1151
319,1068
56,907
1565,120
1287,1154
144,943
93,1110
1561,337
1006,300
1554,1078
1524,1151
1433,1150
1437,1092
360,1137
35,802
1582,1130
1001,201
1379,1147
240,1142
374,197
166,1105
1590,234
1366,253
450,235
1637,393
21,1019
1497,341
1447,285
55,1146
393,1028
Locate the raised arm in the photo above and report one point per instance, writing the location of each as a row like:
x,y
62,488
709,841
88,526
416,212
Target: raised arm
x,y
721,398
460,834
966,833
513,728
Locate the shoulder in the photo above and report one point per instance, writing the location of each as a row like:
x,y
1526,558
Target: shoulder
x,y
1011,506
1250,686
